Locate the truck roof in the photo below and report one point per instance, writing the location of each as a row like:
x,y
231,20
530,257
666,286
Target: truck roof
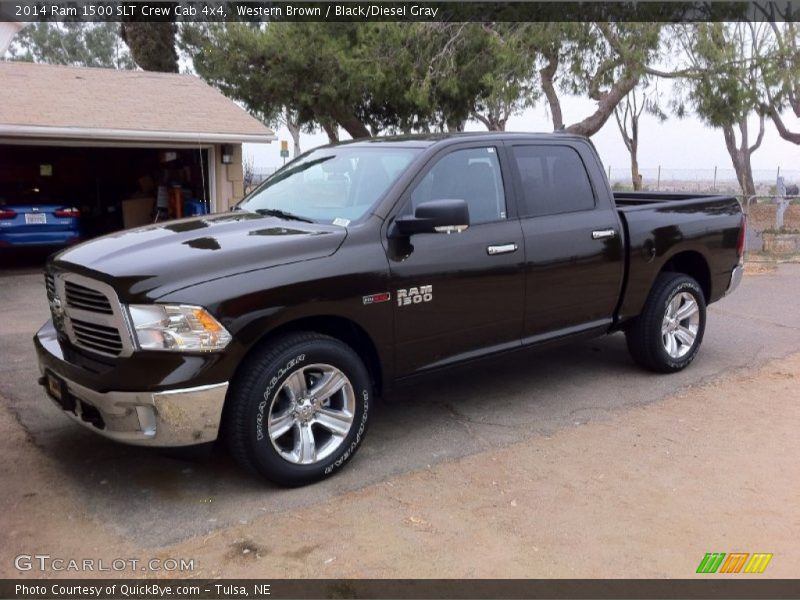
x,y
429,139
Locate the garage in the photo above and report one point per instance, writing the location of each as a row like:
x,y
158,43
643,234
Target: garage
x,y
125,148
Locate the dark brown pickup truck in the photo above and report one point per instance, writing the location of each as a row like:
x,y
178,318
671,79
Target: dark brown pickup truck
x,y
359,264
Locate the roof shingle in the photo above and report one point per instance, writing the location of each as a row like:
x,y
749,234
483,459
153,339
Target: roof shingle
x,y
36,96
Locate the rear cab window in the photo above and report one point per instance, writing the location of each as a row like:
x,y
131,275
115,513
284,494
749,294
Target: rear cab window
x,y
553,180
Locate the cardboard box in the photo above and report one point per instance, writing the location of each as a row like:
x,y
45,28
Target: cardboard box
x,y
137,211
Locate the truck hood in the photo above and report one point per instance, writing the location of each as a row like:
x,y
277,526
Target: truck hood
x,y
151,261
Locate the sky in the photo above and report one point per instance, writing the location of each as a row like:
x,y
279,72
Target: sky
x,y
675,144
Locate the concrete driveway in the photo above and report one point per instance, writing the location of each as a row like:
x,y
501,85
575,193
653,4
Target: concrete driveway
x,y
154,500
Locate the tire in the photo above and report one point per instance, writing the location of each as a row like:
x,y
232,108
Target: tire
x,y
667,334
275,423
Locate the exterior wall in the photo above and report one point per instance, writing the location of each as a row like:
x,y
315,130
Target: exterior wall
x,y
229,178
8,30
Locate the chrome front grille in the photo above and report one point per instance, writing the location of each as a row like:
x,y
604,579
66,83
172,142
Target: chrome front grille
x,y
79,296
97,337
50,284
88,313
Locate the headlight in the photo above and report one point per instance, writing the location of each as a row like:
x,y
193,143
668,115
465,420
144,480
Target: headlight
x,y
177,327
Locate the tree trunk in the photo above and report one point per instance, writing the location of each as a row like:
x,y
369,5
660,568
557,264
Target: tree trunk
x,y
605,106
491,121
548,74
294,130
740,155
455,125
789,136
636,178
331,129
351,124
740,158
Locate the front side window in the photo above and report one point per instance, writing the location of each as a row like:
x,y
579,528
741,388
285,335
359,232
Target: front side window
x,y
554,180
473,175
331,185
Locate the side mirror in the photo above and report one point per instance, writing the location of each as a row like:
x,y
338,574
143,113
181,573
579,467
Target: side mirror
x,y
441,216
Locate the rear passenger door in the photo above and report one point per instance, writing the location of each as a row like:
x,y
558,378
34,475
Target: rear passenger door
x,y
573,242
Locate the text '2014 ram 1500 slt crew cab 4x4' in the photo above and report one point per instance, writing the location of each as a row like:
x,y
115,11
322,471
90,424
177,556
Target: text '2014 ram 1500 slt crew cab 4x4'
x,y
356,265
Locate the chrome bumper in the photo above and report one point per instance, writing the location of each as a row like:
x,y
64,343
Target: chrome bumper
x,y
181,417
736,278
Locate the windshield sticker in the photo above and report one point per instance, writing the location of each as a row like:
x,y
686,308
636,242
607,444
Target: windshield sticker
x,y
341,222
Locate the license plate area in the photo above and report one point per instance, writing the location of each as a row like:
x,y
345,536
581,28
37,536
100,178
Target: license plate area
x,y
35,218
57,390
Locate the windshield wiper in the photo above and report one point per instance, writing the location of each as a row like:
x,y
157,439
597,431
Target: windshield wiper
x,y
275,212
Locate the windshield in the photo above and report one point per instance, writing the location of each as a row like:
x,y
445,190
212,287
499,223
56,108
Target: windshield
x,y
331,185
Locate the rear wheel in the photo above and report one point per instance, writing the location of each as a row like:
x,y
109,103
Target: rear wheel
x,y
298,410
667,335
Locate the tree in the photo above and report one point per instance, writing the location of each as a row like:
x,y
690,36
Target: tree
x,y
70,43
603,61
722,85
311,69
152,44
363,77
368,78
627,115
293,125
781,77
479,71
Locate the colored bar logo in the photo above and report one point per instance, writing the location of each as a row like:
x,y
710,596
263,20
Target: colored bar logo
x,y
736,562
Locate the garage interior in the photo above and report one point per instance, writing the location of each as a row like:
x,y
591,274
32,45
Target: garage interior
x,y
114,187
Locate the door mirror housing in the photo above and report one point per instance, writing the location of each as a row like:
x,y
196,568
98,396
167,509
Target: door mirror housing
x,y
435,216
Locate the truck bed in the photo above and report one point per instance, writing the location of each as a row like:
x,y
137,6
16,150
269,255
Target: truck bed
x,y
700,230
631,200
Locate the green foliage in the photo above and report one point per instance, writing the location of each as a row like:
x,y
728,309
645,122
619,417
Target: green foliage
x,y
780,76
74,44
725,56
364,77
402,77
152,44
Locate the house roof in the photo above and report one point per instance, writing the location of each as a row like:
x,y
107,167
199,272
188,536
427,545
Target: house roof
x,y
57,102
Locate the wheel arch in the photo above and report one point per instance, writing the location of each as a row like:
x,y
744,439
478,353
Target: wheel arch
x,y
338,327
693,264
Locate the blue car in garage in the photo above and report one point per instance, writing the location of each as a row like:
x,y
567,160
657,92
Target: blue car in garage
x,y
27,225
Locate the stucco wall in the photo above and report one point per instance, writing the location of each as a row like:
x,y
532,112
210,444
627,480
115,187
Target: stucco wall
x,y
230,177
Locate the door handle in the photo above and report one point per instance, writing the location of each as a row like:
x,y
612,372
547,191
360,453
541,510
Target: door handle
x,y
601,234
501,249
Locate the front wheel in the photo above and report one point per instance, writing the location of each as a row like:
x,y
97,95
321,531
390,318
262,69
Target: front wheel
x,y
299,409
667,335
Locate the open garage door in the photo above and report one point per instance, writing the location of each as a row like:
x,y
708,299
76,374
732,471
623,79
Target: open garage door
x,y
113,187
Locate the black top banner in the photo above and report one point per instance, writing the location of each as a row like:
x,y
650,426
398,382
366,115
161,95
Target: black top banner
x,y
353,11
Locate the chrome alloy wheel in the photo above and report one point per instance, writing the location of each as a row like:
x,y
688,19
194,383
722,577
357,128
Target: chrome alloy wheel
x,y
311,414
680,325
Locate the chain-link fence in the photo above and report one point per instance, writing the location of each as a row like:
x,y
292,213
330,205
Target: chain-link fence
x,y
762,213
711,179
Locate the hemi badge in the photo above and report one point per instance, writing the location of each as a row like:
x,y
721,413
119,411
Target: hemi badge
x,y
375,298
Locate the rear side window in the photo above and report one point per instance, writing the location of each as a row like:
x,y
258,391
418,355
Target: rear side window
x,y
554,181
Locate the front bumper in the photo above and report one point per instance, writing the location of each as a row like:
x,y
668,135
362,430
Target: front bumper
x,y
175,417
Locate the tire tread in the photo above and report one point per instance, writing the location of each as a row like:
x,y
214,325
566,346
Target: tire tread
x,y
236,413
643,336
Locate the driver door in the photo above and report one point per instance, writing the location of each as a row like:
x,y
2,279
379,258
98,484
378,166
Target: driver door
x,y
460,295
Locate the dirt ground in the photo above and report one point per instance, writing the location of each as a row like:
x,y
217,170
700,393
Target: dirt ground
x,y
645,493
